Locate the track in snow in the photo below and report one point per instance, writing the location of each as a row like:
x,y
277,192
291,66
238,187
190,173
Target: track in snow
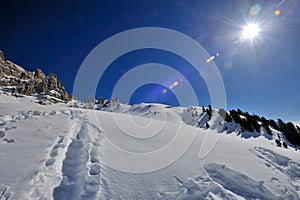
x,y
72,168
4,194
81,169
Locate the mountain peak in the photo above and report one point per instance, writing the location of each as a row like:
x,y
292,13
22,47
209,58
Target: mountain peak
x,y
20,82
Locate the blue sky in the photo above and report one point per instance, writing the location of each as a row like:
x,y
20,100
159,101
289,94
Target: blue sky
x,y
261,76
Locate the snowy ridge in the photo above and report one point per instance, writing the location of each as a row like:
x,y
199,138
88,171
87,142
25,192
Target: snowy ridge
x,y
198,117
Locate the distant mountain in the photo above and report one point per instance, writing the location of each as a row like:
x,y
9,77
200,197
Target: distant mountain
x,y
18,81
49,89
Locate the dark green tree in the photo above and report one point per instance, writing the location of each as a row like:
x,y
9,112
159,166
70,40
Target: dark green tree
x,y
235,116
251,119
298,128
265,124
281,125
273,124
239,111
209,112
228,118
292,134
278,142
284,145
258,118
246,125
206,125
209,107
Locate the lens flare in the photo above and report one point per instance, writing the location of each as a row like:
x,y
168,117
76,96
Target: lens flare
x,y
250,31
277,12
254,10
175,83
208,60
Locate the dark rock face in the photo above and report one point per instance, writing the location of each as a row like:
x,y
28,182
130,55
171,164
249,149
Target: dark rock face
x,y
39,75
31,83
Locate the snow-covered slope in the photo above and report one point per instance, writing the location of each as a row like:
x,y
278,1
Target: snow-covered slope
x,y
60,152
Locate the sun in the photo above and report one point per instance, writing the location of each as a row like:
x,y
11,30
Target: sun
x,y
250,31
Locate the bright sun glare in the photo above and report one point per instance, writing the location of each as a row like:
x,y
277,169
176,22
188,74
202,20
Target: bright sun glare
x,y
250,31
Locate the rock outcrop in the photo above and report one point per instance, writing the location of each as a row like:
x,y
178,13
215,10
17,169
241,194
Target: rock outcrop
x,y
23,82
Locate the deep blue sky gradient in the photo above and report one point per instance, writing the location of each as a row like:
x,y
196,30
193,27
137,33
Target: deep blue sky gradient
x,y
261,77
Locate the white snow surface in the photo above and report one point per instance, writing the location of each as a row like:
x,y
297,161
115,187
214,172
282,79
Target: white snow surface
x,y
60,152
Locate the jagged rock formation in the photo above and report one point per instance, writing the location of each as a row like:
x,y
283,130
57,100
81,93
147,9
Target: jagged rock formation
x,y
23,82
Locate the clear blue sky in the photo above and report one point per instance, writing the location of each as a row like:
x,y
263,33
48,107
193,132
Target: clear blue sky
x,y
262,76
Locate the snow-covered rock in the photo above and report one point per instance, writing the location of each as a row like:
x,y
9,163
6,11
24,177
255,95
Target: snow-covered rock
x,y
21,82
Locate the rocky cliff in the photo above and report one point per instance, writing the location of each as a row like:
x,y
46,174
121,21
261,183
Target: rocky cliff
x,y
22,82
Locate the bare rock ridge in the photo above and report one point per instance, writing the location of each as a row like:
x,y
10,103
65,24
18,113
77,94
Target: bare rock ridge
x,y
23,82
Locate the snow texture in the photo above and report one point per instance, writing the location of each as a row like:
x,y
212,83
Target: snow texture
x,y
58,152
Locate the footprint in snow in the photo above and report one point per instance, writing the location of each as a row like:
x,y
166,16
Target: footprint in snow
x,y
2,134
10,127
4,194
50,162
95,169
54,151
3,123
9,140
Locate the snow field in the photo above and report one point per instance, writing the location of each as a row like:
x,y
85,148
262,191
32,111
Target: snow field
x,y
58,152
